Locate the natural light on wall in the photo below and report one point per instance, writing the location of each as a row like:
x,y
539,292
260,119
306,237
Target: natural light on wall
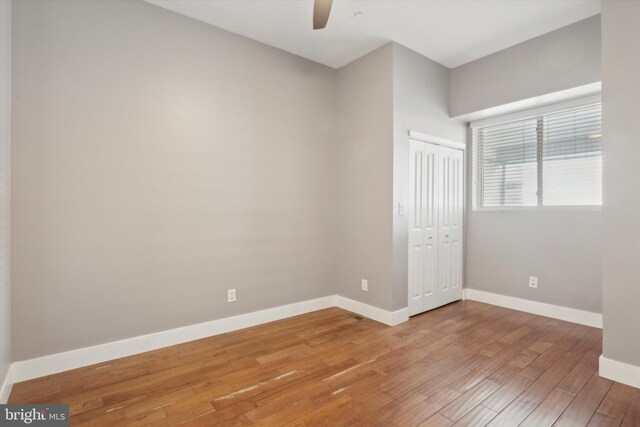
x,y
547,158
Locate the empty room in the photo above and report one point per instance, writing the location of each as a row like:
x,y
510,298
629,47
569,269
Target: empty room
x,y
316,212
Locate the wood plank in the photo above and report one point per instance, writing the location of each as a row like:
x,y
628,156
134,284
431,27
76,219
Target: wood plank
x,y
459,407
479,416
585,403
514,413
548,411
580,374
427,407
436,420
467,363
546,382
398,406
614,406
632,417
223,415
507,393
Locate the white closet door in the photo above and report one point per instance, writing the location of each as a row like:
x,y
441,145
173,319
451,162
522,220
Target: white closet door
x,y
423,228
450,168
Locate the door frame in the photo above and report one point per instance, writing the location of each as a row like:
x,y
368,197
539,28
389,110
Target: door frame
x,y
419,136
430,139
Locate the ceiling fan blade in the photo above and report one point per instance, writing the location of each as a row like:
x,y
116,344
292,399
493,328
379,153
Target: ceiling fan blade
x,y
321,11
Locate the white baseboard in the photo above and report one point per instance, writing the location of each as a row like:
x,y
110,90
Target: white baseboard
x,y
51,364
7,384
60,362
390,318
619,371
549,310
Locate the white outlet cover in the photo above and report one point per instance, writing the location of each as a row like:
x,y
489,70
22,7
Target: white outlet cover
x,y
365,285
231,295
533,282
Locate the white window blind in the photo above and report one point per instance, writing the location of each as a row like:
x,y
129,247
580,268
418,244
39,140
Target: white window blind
x,y
550,159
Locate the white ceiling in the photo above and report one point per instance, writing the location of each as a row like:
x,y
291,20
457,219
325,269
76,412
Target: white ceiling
x,y
451,32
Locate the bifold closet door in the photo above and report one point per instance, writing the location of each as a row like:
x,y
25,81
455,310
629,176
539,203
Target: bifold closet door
x,y
451,193
435,225
423,227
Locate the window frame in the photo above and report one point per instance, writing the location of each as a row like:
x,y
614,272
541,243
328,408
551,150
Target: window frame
x,y
518,116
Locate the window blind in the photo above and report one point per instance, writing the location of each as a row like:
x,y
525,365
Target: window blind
x,y
552,159
572,157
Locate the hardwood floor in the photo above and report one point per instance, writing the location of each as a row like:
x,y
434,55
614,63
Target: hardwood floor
x,y
465,364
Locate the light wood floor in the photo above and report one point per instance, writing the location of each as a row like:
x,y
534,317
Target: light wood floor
x,y
468,364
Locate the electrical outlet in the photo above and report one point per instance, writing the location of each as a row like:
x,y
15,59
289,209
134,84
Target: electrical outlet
x,y
231,295
365,285
533,282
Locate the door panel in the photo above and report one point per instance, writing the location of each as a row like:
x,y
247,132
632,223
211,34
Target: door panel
x,y
423,231
450,227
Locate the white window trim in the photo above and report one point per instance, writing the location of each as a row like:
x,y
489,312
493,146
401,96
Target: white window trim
x,y
568,208
521,115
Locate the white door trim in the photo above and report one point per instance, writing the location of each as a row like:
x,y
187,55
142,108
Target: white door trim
x,y
419,136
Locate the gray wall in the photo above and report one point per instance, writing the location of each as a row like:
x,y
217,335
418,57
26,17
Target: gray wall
x,y
565,58
157,162
365,160
621,105
420,103
382,96
5,188
562,248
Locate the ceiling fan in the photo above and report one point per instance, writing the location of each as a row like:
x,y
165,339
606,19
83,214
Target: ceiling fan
x,y
321,11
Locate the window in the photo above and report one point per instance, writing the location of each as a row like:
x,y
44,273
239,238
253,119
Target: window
x,y
552,158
